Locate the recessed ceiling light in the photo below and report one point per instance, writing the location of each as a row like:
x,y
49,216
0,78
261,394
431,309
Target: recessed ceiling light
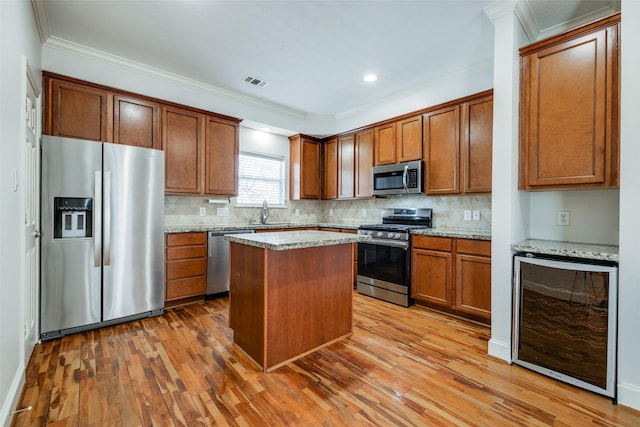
x,y
370,78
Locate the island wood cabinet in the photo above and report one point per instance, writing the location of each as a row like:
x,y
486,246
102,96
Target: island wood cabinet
x,y
201,148
354,248
452,274
185,267
458,141
569,108
304,167
398,141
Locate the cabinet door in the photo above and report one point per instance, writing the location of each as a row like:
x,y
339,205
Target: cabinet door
x,y
182,137
331,169
221,156
442,146
364,163
346,166
409,139
476,145
473,285
567,99
77,111
431,276
135,122
310,169
385,144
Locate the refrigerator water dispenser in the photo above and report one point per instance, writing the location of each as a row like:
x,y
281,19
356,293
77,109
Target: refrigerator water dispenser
x,y
72,217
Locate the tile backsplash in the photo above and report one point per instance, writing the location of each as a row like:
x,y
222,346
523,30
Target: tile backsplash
x,y
448,211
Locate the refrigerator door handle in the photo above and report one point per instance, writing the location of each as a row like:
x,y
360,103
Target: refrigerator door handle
x,y
97,223
107,218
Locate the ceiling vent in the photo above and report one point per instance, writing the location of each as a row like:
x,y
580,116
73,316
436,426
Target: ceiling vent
x,y
255,81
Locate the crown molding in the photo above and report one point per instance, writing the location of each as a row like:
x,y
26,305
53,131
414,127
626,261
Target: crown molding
x,y
42,19
76,49
612,8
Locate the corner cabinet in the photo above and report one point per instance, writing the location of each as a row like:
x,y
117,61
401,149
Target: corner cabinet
x,y
304,167
330,168
569,133
348,163
452,274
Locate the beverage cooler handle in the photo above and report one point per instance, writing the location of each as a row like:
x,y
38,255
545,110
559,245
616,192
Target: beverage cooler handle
x,y
107,218
97,223
404,178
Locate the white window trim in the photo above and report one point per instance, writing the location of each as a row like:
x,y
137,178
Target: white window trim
x,y
283,182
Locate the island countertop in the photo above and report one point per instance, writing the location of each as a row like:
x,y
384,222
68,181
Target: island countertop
x,y
286,240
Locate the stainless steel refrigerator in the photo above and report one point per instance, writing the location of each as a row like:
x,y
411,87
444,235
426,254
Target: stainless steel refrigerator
x,y
102,228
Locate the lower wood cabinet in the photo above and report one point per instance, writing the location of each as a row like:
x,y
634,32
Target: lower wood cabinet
x,y
453,274
185,266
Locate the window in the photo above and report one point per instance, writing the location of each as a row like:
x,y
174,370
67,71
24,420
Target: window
x,y
261,177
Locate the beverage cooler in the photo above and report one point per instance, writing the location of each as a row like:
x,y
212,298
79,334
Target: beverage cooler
x,y
565,320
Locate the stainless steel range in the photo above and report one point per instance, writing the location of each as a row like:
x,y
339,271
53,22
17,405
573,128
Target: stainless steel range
x,y
384,262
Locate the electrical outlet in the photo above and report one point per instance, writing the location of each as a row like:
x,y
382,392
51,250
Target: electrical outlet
x,y
222,211
364,213
476,215
563,218
297,212
467,215
330,212
203,211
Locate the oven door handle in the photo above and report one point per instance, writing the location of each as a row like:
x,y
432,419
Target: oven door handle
x,y
391,243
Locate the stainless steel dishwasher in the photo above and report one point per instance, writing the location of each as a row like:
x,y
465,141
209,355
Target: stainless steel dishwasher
x,y
218,263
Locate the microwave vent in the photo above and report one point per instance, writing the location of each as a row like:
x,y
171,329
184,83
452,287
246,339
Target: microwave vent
x,y
254,81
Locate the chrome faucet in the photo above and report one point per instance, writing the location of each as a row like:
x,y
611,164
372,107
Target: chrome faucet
x,y
265,211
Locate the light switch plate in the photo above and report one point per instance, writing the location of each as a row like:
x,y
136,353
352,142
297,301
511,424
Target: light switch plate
x,y
203,211
476,215
467,215
297,213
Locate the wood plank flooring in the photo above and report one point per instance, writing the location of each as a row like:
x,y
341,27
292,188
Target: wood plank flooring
x,y
401,367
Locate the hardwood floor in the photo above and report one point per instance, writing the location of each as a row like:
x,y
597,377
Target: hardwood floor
x,y
410,367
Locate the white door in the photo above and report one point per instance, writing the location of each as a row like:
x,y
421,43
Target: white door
x,y
31,149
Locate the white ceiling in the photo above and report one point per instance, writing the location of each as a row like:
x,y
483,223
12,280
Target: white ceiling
x,y
312,53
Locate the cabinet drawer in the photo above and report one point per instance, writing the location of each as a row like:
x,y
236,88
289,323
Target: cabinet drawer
x,y
475,247
185,287
186,252
434,243
186,268
182,239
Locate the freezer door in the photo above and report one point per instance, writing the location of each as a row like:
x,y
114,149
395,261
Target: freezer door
x,y
133,242
70,290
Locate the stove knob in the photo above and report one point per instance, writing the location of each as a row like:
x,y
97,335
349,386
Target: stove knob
x,y
379,234
390,235
397,235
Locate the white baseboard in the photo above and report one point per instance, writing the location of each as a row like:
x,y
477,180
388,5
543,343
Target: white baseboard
x,y
500,349
629,395
13,396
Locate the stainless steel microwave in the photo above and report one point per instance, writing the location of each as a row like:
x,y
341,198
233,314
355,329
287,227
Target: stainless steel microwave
x,y
400,178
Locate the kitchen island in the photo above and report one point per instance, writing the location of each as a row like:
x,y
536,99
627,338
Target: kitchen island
x,y
290,293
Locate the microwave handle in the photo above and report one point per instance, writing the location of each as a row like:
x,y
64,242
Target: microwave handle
x,y
404,178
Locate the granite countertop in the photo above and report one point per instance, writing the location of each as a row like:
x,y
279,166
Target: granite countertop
x,y
268,226
453,232
568,249
285,240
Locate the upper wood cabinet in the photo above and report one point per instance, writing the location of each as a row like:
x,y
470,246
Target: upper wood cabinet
x,y
346,166
476,145
182,143
304,167
364,164
569,101
330,163
201,148
385,144
409,139
76,111
442,150
458,146
221,150
136,122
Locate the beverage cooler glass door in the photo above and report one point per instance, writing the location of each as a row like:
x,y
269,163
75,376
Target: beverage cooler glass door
x,y
565,321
